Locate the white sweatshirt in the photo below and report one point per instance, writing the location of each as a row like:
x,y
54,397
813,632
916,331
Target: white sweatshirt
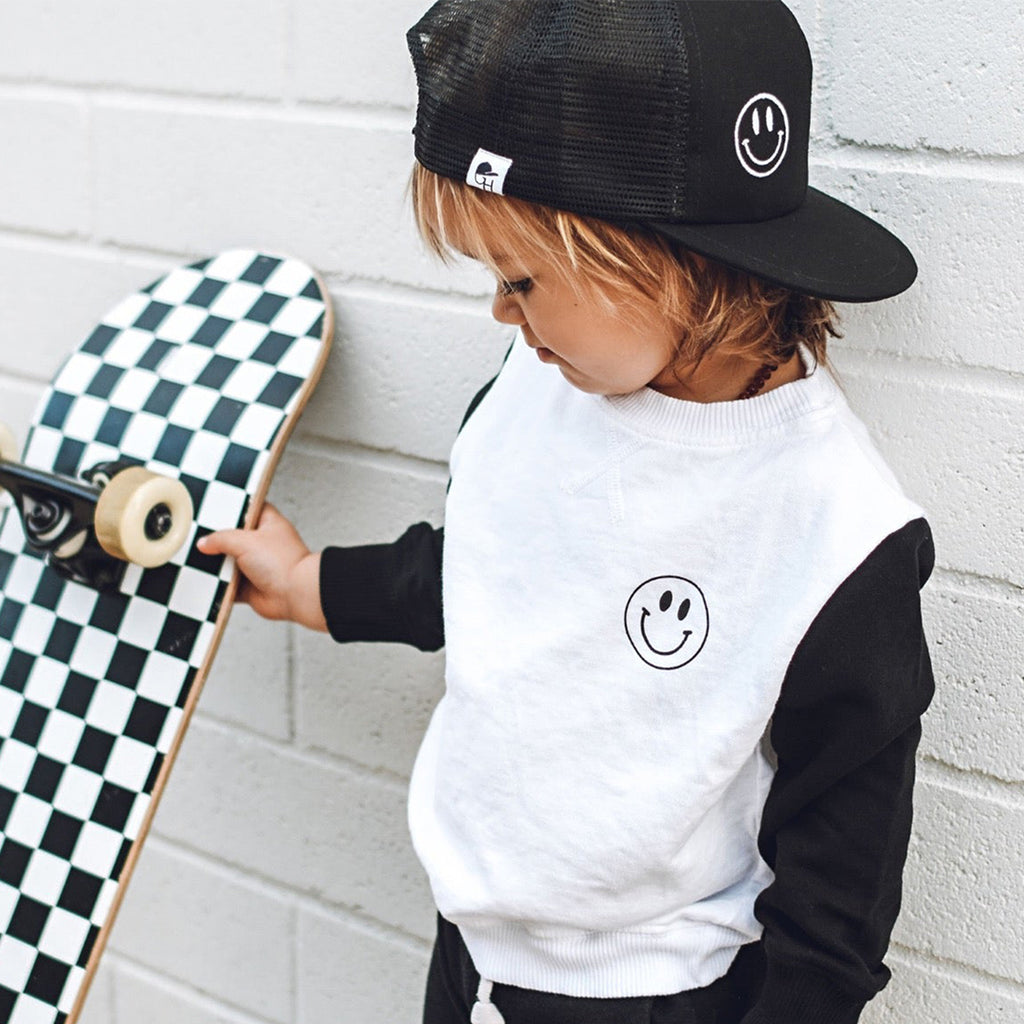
x,y
625,582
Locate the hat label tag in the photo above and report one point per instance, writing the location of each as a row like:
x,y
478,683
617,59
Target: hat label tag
x,y
487,171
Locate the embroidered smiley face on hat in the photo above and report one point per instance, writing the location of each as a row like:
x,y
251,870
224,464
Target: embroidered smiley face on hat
x,y
667,621
762,135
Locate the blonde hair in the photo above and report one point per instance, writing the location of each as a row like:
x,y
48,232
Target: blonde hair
x,y
714,306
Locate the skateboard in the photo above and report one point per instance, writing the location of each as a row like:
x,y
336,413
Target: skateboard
x,y
164,425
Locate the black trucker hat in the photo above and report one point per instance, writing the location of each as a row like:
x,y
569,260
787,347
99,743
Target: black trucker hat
x,y
688,117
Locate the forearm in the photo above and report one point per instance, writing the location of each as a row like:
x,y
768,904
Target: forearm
x,y
836,823
829,913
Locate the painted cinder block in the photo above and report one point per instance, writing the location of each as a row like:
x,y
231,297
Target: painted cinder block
x,y
975,721
249,683
225,48
351,975
18,401
367,702
355,53
54,296
44,172
149,998
355,498
922,992
404,370
219,932
296,183
966,234
317,827
99,1006
957,451
920,74
963,876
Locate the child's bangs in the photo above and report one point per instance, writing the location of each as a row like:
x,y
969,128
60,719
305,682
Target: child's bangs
x,y
715,307
454,218
593,257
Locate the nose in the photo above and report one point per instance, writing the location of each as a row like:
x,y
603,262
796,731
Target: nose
x,y
506,309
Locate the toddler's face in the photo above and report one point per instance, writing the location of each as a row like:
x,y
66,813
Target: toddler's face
x,y
599,349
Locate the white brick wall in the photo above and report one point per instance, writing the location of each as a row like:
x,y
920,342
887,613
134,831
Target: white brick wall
x,y
279,886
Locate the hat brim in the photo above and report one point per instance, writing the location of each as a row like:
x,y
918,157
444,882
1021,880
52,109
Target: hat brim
x,y
824,248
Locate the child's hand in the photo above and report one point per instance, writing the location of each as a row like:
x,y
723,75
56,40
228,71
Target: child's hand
x,y
281,576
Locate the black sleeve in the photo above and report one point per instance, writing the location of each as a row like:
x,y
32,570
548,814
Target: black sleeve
x,y
389,592
836,822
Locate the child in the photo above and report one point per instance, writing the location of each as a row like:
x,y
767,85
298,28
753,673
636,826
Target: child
x,y
670,779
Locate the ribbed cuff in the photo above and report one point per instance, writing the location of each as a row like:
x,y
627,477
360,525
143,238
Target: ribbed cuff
x,y
386,592
800,995
355,593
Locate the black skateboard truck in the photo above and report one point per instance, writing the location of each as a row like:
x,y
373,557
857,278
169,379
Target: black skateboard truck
x,y
90,528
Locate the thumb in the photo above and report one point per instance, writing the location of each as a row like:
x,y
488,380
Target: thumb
x,y
223,542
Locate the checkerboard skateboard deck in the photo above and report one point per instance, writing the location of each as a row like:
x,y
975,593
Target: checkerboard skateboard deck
x,y
200,378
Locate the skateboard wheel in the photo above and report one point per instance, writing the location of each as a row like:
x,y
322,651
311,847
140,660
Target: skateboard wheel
x,y
143,517
8,444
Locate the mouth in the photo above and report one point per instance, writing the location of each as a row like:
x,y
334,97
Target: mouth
x,y
763,163
647,640
545,355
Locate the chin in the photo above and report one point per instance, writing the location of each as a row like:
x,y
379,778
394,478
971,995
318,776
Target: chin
x,y
582,384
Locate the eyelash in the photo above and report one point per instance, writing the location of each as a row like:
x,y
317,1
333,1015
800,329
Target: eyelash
x,y
519,287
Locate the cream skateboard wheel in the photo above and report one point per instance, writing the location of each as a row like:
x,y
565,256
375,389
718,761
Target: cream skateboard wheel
x,y
8,443
143,517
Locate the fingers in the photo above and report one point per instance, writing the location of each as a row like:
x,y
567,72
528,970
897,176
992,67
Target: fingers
x,y
270,517
237,543
224,542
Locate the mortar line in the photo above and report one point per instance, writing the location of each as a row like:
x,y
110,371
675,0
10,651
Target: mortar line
x,y
150,100
972,782
234,1014
388,459
286,892
956,970
13,379
935,373
316,757
375,289
449,298
840,152
979,585
397,117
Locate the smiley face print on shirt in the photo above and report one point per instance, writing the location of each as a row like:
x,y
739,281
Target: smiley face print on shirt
x,y
762,135
666,621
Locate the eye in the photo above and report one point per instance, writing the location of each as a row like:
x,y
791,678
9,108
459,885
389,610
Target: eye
x,y
757,122
666,600
523,285
769,118
684,609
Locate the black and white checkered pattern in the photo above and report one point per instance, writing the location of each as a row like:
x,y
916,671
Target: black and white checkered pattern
x,y
192,376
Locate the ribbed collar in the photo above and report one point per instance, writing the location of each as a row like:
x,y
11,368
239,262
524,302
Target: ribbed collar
x,y
716,423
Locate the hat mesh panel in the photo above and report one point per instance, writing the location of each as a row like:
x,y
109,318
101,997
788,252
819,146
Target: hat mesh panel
x,y
589,124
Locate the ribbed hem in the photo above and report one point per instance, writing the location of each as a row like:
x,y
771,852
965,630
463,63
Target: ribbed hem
x,y
603,965
724,423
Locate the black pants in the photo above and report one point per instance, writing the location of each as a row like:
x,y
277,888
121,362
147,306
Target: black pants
x,y
453,980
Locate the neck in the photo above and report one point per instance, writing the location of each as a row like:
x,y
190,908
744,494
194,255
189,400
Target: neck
x,y
723,378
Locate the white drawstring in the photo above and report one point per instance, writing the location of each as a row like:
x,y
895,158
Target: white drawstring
x,y
484,1011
